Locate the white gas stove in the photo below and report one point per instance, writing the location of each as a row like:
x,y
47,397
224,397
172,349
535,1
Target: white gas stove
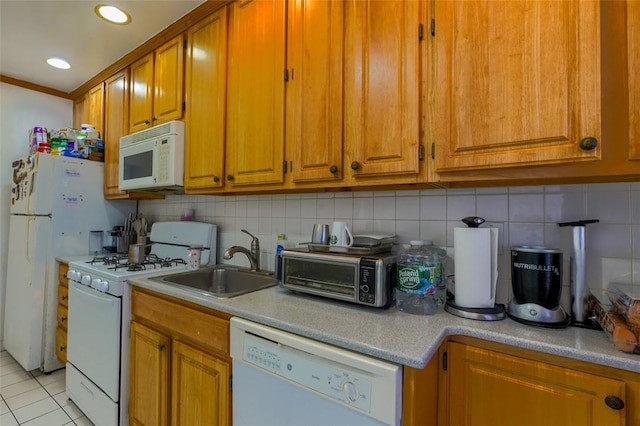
x,y
109,273
100,310
170,241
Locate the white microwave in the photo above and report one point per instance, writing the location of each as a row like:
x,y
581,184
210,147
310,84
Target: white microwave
x,y
153,159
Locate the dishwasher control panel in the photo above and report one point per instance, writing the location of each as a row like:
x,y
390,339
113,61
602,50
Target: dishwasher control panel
x,y
328,378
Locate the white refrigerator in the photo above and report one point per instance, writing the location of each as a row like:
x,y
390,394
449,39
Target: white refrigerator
x,y
55,203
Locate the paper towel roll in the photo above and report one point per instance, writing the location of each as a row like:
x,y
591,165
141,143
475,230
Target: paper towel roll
x,y
476,261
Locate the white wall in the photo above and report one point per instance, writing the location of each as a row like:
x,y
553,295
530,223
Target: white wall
x,y
524,215
21,109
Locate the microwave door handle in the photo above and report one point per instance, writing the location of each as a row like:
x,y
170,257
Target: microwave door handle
x,y
154,162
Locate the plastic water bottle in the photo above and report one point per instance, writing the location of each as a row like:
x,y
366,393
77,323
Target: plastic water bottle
x,y
420,269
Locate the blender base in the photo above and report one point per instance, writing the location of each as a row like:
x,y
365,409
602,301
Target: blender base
x,y
496,313
539,316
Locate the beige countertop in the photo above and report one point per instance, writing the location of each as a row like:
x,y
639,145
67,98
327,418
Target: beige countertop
x,y
396,336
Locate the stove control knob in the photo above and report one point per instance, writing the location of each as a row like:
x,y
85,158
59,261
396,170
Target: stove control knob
x,y
73,275
100,285
86,280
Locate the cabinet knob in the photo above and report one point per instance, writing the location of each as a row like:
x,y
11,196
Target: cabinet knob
x,y
65,297
355,165
333,169
588,144
216,179
160,346
614,402
230,177
62,348
63,319
154,118
147,122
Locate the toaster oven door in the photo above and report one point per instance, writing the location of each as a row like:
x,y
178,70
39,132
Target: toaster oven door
x,y
337,280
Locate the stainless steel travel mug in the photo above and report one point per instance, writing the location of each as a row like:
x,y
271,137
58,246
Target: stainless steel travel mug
x,y
321,234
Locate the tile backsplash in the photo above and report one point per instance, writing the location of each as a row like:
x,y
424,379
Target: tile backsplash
x,y
524,216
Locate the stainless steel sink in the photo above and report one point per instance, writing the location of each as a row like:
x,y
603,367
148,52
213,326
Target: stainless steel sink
x,y
220,281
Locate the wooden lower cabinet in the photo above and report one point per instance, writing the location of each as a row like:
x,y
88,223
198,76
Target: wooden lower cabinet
x,y
420,395
491,388
485,383
63,312
149,376
199,387
180,363
473,382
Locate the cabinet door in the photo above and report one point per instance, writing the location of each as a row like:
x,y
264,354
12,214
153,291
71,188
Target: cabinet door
x,y
80,111
168,81
95,114
61,344
490,388
63,316
205,76
517,83
314,89
255,107
633,51
141,94
200,388
148,376
382,87
116,125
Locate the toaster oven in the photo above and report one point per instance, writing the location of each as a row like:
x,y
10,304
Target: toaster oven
x,y
362,279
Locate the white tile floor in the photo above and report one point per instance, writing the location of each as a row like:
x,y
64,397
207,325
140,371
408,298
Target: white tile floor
x,y
35,399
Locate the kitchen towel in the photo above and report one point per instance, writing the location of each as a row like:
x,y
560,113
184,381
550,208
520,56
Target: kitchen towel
x,y
476,266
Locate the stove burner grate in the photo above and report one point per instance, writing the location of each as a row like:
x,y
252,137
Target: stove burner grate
x,y
120,261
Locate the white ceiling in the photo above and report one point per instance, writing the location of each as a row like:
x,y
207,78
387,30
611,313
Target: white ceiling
x,y
33,30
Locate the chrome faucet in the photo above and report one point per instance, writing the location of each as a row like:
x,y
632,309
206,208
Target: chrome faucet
x,y
253,254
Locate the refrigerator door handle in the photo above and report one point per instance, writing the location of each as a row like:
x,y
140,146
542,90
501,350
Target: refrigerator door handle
x,y
30,224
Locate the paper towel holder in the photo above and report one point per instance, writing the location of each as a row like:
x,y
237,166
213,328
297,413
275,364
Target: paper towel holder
x,y
497,313
473,221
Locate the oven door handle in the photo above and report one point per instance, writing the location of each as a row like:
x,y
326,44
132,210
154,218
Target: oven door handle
x,y
94,294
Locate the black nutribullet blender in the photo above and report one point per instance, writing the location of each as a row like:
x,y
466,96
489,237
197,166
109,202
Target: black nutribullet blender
x,y
536,278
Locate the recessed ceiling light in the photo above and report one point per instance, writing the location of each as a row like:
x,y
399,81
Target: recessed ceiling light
x,y
59,63
112,14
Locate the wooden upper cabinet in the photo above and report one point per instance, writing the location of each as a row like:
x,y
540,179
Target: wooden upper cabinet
x,y
255,104
517,83
491,388
79,111
116,125
382,91
95,113
89,109
168,81
633,65
205,95
314,89
156,93
141,94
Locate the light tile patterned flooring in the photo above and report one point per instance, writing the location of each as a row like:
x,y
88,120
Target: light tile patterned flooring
x,y
35,399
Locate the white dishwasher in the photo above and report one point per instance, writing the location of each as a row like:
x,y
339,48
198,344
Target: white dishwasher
x,y
282,379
